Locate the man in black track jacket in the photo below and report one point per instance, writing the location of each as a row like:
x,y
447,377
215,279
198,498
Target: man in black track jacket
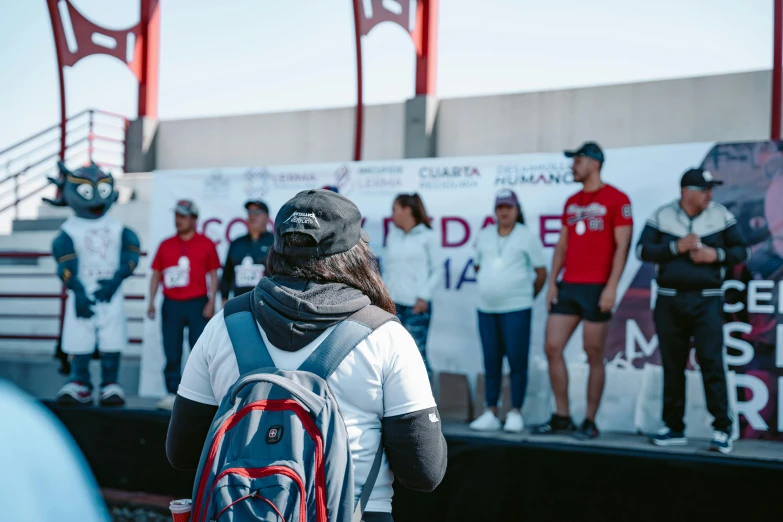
x,y
693,243
246,260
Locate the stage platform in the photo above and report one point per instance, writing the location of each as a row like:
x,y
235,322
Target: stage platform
x,y
492,476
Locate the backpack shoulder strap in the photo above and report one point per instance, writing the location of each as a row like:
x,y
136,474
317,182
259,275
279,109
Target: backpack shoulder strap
x,y
249,347
343,339
368,485
328,356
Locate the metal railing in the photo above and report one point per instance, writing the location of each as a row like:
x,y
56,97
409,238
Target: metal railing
x,y
57,292
91,135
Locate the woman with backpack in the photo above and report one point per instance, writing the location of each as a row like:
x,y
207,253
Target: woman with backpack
x,y
321,279
411,270
511,271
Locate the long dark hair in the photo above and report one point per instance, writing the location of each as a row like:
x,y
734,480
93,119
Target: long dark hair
x,y
414,202
356,268
520,215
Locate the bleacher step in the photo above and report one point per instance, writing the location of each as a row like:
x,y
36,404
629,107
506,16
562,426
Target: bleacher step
x,y
37,225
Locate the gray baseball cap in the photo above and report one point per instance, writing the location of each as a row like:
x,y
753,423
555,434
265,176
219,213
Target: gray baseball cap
x,y
186,207
332,220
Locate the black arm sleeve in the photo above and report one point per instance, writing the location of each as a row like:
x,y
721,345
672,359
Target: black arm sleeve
x,y
736,250
227,281
651,248
415,448
188,429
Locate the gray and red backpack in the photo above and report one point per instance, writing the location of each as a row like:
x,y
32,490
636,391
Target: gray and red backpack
x,y
278,447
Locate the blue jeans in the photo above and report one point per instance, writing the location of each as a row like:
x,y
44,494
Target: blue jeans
x,y
175,316
505,334
80,368
418,325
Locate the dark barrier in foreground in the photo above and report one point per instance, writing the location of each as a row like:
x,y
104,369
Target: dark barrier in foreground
x,y
487,480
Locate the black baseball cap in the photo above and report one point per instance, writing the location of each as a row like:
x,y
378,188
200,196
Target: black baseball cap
x,y
334,221
589,149
699,179
258,203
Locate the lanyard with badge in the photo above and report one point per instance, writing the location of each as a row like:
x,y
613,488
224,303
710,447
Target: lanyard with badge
x,y
500,244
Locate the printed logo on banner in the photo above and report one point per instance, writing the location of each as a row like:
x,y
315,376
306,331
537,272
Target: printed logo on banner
x,y
342,179
217,186
369,178
556,173
455,177
259,181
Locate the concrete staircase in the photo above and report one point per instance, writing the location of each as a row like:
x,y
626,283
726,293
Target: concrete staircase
x,y
28,362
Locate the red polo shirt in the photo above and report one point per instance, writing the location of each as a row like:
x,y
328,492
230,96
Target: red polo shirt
x,y
184,266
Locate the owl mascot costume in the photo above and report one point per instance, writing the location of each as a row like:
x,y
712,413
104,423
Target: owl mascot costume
x,y
95,253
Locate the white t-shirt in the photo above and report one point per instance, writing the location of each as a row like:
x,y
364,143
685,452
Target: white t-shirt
x,y
384,376
507,268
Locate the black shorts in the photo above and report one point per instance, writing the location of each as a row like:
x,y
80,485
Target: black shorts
x,y
580,299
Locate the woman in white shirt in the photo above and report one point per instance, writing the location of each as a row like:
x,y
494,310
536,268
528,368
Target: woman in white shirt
x,y
511,272
319,272
411,270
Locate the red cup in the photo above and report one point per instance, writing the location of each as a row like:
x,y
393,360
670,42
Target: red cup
x,y
181,509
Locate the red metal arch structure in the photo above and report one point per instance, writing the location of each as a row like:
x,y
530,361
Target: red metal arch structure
x,y
87,39
425,37
76,37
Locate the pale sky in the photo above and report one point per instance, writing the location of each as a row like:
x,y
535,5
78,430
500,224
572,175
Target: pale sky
x,y
250,56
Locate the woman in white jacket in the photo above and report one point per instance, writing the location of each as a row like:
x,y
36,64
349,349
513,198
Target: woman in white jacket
x,y
410,267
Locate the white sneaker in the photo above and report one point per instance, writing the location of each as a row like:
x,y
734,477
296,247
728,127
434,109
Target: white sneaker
x,y
112,395
486,422
721,441
74,393
167,402
514,422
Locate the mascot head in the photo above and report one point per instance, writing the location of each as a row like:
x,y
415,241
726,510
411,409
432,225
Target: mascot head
x,y
88,191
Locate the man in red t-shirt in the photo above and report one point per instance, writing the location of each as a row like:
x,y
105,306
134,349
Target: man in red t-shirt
x,y
592,249
183,263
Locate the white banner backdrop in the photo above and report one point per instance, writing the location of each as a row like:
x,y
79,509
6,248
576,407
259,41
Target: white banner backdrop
x,y
459,196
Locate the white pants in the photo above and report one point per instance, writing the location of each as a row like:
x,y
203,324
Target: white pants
x,y
107,328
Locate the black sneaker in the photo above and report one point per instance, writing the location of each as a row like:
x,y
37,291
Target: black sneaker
x,y
588,430
556,424
667,437
721,441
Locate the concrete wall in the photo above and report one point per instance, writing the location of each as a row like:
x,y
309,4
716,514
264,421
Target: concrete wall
x,y
725,107
279,138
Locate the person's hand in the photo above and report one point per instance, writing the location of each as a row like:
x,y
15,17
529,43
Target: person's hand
x,y
688,243
704,255
151,311
83,305
551,296
421,306
608,299
209,309
106,290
